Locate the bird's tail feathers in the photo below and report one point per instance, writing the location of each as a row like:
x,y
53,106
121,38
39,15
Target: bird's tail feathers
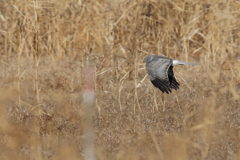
x,y
176,62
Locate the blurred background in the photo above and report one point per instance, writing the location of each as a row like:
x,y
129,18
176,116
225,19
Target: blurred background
x,y
45,47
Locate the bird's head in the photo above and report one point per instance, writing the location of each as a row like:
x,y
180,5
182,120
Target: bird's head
x,y
148,58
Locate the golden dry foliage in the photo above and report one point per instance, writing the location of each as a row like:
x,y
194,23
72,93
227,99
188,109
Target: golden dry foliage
x,y
45,45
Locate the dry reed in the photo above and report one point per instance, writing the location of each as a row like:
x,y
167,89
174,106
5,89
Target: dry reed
x,y
44,45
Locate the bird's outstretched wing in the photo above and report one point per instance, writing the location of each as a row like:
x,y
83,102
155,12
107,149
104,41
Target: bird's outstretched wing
x,y
158,70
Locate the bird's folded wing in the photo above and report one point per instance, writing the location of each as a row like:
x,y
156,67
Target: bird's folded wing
x,y
158,74
158,68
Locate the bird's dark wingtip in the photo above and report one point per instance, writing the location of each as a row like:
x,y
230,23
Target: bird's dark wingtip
x,y
174,84
162,85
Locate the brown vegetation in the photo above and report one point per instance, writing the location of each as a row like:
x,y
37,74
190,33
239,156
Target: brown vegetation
x,y
44,46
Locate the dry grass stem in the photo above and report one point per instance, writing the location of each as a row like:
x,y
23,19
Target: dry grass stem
x,y
46,45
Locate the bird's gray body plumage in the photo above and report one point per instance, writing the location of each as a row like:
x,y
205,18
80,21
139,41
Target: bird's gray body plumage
x,y
160,72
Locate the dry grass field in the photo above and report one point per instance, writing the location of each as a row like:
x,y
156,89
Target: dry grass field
x,y
46,45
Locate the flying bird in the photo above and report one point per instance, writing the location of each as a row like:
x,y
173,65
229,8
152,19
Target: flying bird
x,y
160,72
